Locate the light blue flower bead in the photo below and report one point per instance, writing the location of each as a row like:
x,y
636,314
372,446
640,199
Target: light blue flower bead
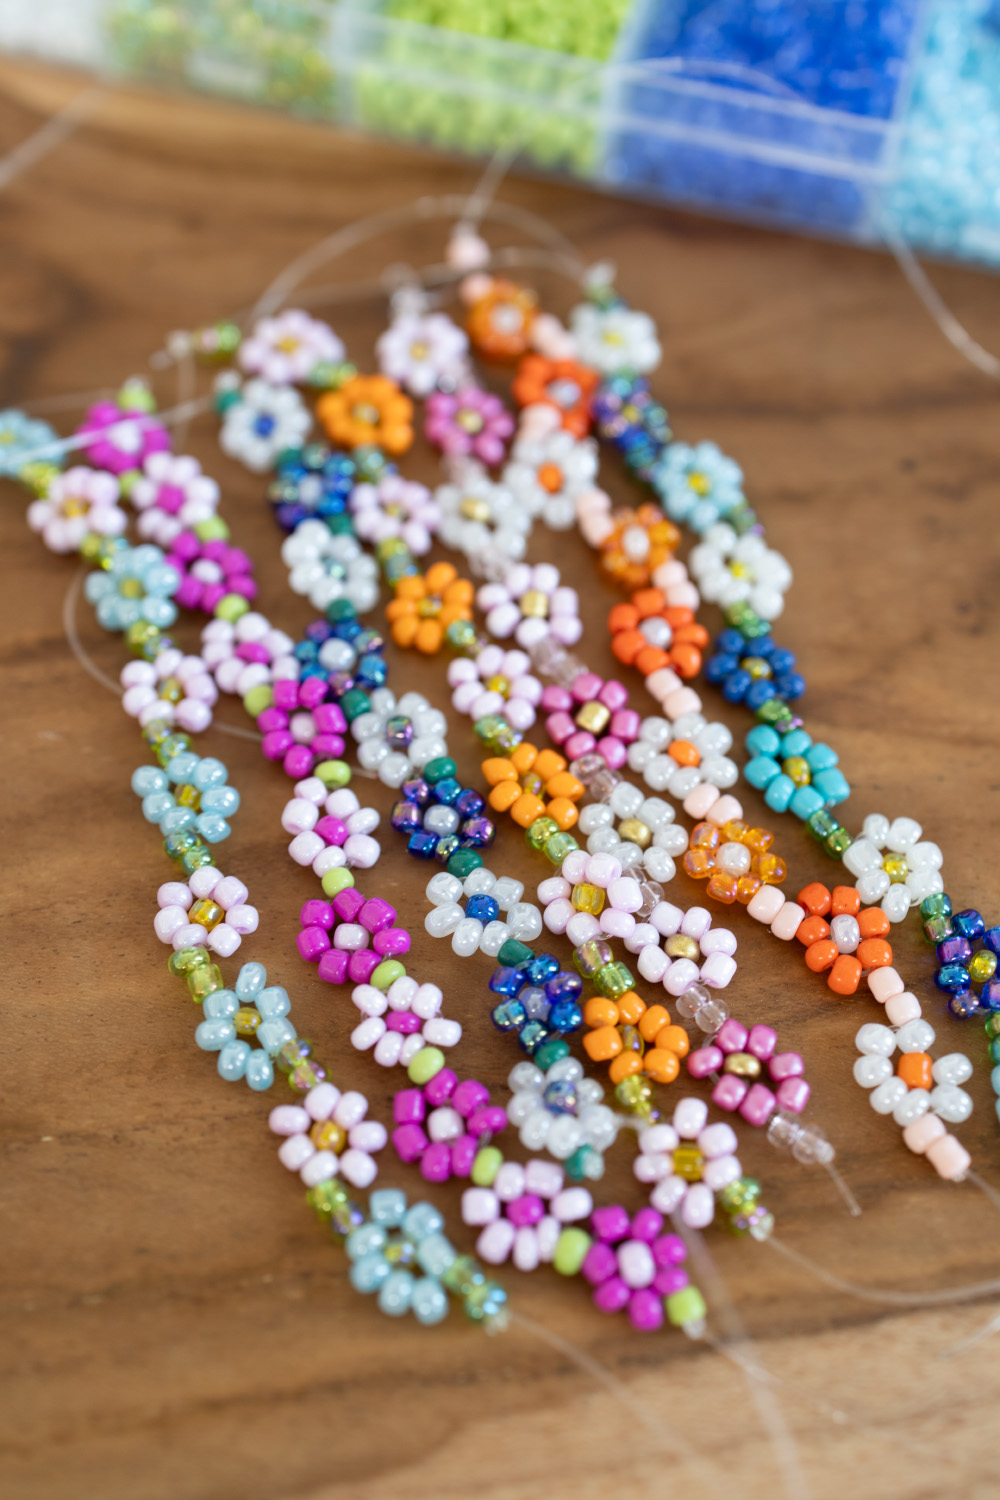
x,y
367,1239
396,1293
176,819
146,779
273,1003
156,804
212,827
224,800
435,1254
213,1035
209,773
250,981
430,1302
421,1220
260,1071
698,484
368,1273
20,436
387,1207
273,1035
233,1060
182,767
220,1004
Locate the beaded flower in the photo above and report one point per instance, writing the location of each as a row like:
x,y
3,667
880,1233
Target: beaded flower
x,y
754,671
640,832
919,1085
588,708
325,566
615,338
20,436
397,1241
496,681
210,572
368,410
351,937
651,635
633,1266
250,1011
486,897
559,1110
260,421
735,859
522,1213
330,829
172,495
893,865
744,1058
444,821
285,349
209,909
549,468
632,544
730,569
639,1042
327,1136
201,801
440,1126
564,384
530,604
400,1020
396,738
121,437
395,507
795,773
698,485
248,653
478,515
851,944
173,687
312,482
689,1162
300,728
469,423
499,320
426,604
137,584
419,351
76,502
630,418
532,783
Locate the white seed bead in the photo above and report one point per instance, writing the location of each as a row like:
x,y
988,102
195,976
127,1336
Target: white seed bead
x,y
845,932
441,921
873,885
507,892
903,834
870,1071
479,882
915,1036
953,1068
466,936
862,856
896,902
495,934
916,1103
876,1040
951,1103
887,1095
440,1032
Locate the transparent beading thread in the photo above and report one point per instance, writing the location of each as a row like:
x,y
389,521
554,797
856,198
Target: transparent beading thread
x,y
809,1145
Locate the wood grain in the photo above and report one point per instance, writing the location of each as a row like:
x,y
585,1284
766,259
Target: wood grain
x,y
176,1327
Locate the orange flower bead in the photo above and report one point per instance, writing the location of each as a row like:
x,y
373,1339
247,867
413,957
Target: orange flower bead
x,y
844,901
811,930
723,886
602,1044
845,975
660,1065
624,1065
551,382
425,605
821,955
874,953
369,409
815,898
873,922
630,1007
637,544
499,323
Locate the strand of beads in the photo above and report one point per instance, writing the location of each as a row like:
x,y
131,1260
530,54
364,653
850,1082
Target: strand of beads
x,y
201,802
478,927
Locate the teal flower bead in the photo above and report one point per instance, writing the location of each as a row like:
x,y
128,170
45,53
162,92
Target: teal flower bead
x,y
435,1254
233,1060
763,740
430,1302
396,1293
250,982
260,1071
366,1240
212,1036
20,435
761,771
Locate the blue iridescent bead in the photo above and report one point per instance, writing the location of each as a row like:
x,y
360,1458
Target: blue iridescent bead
x,y
564,986
952,977
483,908
417,790
532,1035
314,669
504,981
954,950
372,671
405,817
398,732
535,1002
560,1096
318,631
478,833
422,845
969,923
565,1015
991,939
989,995
448,790
470,804
964,1004
542,967
305,651
448,844
508,1016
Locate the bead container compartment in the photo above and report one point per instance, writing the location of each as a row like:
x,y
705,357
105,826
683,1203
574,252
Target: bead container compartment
x,y
147,1142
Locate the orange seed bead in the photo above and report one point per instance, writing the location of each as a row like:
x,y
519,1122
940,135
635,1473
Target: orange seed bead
x,y
815,898
623,617
630,1007
548,764
599,1011
562,811
844,901
624,1065
874,953
845,976
504,795
602,1044
526,809
654,1018
821,955
684,753
873,922
661,1066
914,1068
673,1039
648,602
523,757
499,768
812,930
723,887
747,887
699,863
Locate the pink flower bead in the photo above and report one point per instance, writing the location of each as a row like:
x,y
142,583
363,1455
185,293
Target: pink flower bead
x,y
410,1141
758,1105
435,1163
704,1061
408,1107
793,1094
762,1041
333,966
786,1065
729,1092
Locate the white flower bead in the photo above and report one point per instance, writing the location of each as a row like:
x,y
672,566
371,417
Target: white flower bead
x,y
876,1040
874,884
953,1068
951,1103
887,1095
915,1036
895,902
916,1103
862,856
903,834
872,1070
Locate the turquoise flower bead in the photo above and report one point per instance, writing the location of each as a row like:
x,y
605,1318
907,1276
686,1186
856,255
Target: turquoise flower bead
x,y
387,1207
763,740
833,785
368,1273
422,1220
212,1036
821,758
220,799
795,742
260,1071
182,767
780,792
273,1035
367,1239
435,1254
396,1293
430,1302
233,1060
213,828
761,771
210,772
995,1079
219,1005
805,801
273,1003
148,779
250,981
156,804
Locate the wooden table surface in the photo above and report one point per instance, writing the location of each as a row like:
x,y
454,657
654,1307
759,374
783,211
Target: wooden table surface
x,y
175,1324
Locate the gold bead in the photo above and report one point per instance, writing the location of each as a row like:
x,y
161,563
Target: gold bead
x,y
756,666
594,717
246,1020
327,1135
534,604
634,831
681,946
896,866
206,913
688,1163
796,767
474,509
699,482
743,1064
188,796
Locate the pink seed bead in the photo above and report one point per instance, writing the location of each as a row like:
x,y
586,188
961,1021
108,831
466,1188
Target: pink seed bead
x,y
669,1250
362,965
526,1210
586,686
625,724
286,694
316,914
599,1263
470,1095
298,762
312,692
441,1087
647,1224
559,727
329,718
705,1061
408,1107
435,1164
732,1036
758,1106
613,750
786,1065
254,652
404,1021
311,942
276,744
332,830
329,746
793,1094
333,966
392,942
376,914
272,719
347,903
949,1158
729,1092
579,744
463,1154
612,1295
669,1280
761,1042
610,1222
613,695
189,594
726,810
555,700
409,1140
493,1120
918,1135
645,1310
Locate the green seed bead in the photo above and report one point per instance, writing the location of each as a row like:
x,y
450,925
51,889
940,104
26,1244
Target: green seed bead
x,y
571,1249
177,844
821,825
427,1063
196,859
837,843
613,980
333,773
439,769
486,1164
354,703
514,952
936,929
173,745
557,846
938,905
336,880
144,639
231,607
550,1052
212,530
540,831
204,980
328,1197
685,1306
258,699
994,1050
184,961
992,1027
982,966
387,972
463,862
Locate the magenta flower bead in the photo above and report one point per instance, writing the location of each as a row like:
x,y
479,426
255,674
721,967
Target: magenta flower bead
x,y
793,1094
470,422
435,1163
704,1061
645,1310
729,1092
759,1105
408,1107
441,1087
761,1042
786,1065
410,1141
120,438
